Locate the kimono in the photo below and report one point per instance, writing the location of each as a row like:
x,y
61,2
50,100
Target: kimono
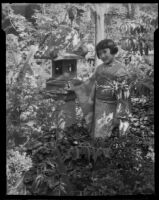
x,y
105,108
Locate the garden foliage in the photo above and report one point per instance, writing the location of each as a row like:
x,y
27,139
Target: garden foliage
x,y
76,165
71,164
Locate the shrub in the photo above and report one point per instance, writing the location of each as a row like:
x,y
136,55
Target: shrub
x,y
17,163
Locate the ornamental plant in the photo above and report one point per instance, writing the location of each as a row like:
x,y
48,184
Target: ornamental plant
x,y
17,164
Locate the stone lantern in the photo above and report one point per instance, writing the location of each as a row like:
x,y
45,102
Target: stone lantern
x,y
64,69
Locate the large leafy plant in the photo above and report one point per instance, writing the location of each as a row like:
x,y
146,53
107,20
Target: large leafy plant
x,y
75,165
17,163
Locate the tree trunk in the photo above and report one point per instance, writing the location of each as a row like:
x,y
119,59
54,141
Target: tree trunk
x,y
100,28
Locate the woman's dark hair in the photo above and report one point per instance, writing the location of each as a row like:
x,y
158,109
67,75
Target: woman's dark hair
x,y
106,43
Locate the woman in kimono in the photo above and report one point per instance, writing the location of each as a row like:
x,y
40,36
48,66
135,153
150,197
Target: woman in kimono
x,y
104,106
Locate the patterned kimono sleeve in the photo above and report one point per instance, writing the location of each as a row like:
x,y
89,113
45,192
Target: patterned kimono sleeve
x,y
123,95
86,94
123,102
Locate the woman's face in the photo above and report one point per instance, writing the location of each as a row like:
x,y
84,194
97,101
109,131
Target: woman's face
x,y
105,55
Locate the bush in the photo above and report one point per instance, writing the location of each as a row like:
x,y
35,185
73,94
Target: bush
x,y
17,163
77,166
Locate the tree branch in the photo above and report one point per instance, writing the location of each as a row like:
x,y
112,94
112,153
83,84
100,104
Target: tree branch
x,y
25,68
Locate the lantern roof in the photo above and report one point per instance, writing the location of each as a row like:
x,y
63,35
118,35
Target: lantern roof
x,y
68,56
57,57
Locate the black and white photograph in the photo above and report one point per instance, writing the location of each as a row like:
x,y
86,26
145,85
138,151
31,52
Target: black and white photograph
x,y
79,98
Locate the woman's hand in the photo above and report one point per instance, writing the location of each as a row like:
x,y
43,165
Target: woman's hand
x,y
70,86
73,83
